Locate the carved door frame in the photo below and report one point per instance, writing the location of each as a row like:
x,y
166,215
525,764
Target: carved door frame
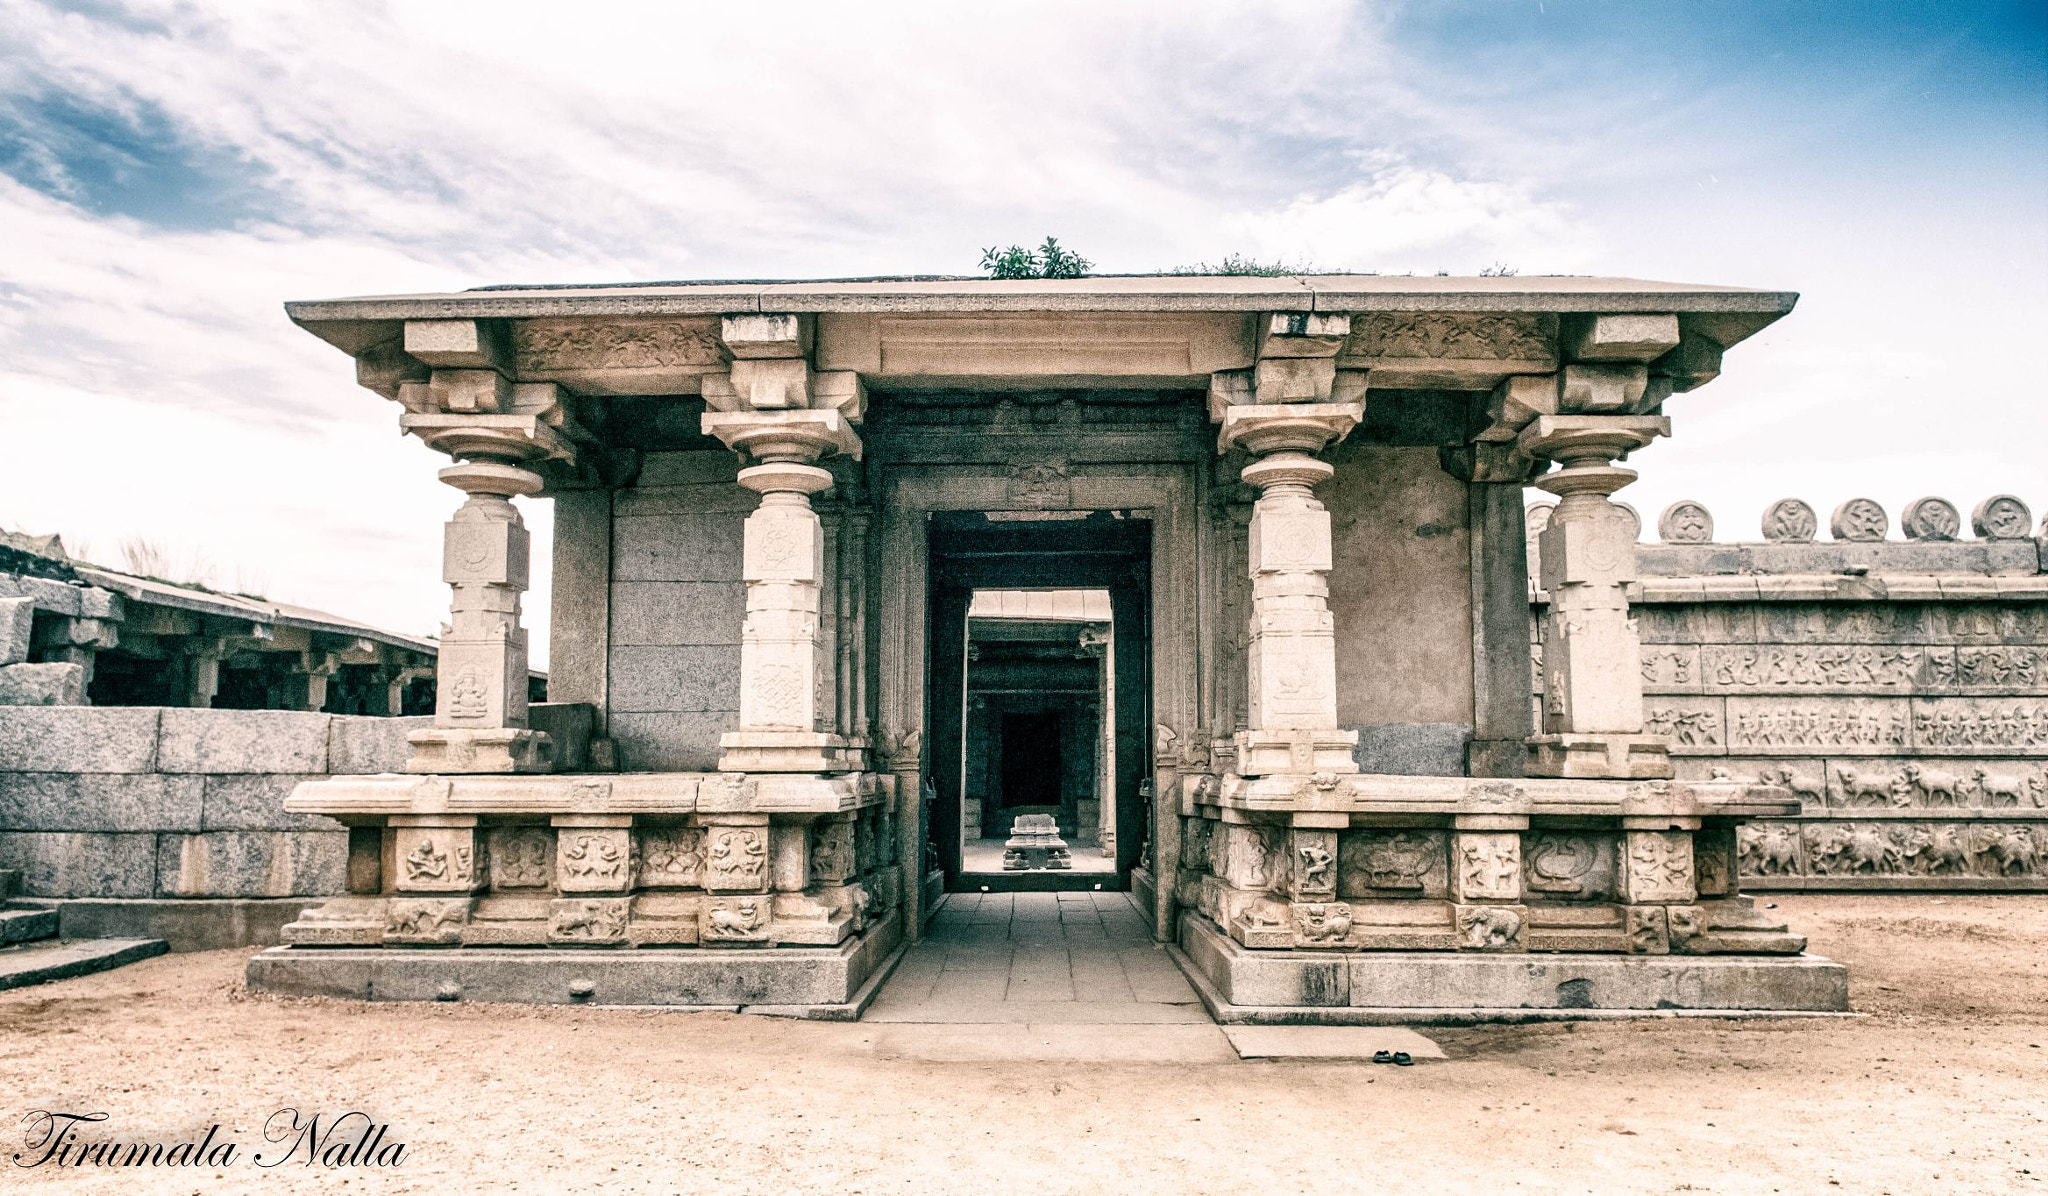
x,y
1164,493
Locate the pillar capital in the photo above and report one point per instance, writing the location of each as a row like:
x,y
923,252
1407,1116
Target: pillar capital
x,y
1306,428
801,436
1590,439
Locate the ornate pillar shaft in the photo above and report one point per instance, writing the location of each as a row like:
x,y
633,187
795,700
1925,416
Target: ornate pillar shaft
x,y
783,567
1592,678
480,693
470,408
783,417
1291,671
1293,654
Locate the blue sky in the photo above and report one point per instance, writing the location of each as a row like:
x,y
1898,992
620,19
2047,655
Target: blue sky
x,y
171,172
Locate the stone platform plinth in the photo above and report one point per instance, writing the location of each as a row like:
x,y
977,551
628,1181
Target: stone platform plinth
x,y
1242,985
825,983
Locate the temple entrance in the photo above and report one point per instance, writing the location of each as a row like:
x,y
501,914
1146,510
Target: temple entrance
x,y
1037,698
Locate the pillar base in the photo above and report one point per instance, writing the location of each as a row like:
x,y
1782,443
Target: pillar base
x,y
790,751
833,983
1628,757
480,750
1322,749
1302,987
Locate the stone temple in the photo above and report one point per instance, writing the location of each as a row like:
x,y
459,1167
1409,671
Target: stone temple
x,y
1287,705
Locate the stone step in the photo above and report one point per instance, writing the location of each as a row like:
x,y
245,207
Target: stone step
x,y
37,963
27,925
10,884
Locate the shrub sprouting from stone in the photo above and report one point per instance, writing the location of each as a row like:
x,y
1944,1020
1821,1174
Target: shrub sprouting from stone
x,y
1049,260
1245,265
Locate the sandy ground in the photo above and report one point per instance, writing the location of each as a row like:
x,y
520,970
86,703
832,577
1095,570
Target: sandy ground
x,y
1943,1087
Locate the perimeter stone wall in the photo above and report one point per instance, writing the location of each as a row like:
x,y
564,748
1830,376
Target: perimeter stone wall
x,y
170,822
1899,688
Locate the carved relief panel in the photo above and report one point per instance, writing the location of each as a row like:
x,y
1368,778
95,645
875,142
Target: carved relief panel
x,y
593,860
587,920
522,857
1657,867
1568,866
672,857
437,859
736,859
1486,866
735,920
832,850
1382,864
1312,864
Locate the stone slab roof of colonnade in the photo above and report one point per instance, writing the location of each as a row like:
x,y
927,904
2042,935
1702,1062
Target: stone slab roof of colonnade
x,y
1122,330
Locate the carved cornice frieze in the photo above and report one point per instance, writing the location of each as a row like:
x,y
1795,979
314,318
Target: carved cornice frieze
x,y
549,346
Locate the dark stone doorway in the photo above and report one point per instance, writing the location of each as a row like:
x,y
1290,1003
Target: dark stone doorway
x,y
1031,753
1030,715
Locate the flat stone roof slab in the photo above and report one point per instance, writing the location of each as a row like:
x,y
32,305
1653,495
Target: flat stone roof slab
x,y
1114,293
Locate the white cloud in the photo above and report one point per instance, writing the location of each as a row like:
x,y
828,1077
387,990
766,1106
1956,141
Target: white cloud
x,y
1407,219
439,145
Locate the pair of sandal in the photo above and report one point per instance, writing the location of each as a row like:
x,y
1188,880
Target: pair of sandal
x,y
1399,1058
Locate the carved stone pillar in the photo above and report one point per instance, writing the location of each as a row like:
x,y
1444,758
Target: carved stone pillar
x,y
1292,670
1592,679
781,679
480,698
470,409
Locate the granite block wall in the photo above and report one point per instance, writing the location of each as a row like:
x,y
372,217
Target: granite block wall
x,y
1898,688
677,606
127,809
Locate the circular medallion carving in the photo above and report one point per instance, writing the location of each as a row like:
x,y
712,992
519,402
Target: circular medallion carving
x,y
1859,519
1931,519
2002,517
1790,521
1685,522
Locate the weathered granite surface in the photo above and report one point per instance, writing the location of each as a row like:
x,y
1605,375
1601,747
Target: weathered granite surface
x,y
1898,688
168,821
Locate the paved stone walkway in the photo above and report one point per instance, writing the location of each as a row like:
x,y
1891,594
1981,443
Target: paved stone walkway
x,y
1072,977
1046,976
1073,958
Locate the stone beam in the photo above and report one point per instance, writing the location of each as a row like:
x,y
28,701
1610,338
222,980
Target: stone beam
x,y
1636,338
750,336
457,344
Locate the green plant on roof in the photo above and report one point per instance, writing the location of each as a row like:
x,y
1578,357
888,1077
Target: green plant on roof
x,y
1050,260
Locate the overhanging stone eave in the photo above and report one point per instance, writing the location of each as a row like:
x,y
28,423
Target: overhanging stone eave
x,y
331,319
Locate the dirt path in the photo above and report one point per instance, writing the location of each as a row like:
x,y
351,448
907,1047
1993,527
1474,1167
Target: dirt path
x,y
1943,1088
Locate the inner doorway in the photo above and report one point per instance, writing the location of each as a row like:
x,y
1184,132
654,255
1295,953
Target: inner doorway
x,y
1039,736
1037,700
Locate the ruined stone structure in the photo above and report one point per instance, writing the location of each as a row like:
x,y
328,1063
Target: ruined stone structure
x,y
1303,498
1899,689
73,634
